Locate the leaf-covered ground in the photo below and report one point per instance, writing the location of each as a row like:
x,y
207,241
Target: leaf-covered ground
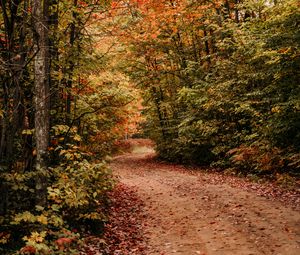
x,y
124,231
161,208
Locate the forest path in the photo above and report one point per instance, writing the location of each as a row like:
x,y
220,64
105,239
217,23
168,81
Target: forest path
x,y
202,213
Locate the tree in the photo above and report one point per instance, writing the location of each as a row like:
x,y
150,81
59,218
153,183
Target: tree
x,y
49,179
42,107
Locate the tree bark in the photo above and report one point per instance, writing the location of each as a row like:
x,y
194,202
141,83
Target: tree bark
x,y
71,65
159,113
237,19
207,50
41,83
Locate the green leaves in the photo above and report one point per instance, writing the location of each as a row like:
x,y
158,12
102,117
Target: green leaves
x,y
80,186
221,83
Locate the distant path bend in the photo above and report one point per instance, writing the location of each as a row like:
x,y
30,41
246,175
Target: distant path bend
x,y
198,213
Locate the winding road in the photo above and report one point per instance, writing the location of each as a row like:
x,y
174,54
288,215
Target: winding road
x,y
194,212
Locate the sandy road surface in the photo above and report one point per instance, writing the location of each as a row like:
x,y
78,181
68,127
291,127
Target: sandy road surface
x,y
190,213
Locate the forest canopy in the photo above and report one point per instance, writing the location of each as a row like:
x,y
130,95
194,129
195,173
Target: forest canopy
x,y
220,81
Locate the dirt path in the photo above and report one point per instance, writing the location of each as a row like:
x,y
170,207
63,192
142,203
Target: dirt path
x,y
197,213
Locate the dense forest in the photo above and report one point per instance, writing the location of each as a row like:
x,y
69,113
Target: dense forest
x,y
220,81
211,82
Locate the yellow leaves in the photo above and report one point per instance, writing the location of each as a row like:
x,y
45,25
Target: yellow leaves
x,y
25,216
4,237
276,109
71,154
39,208
42,219
62,152
92,216
77,138
30,218
58,74
35,243
27,131
54,194
56,221
36,237
60,129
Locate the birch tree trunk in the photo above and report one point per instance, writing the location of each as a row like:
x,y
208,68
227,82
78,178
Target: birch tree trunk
x,y
41,72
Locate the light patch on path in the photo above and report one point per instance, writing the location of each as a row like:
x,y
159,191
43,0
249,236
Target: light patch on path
x,y
189,214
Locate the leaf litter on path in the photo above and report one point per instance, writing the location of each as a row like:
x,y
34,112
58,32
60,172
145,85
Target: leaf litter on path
x,y
194,212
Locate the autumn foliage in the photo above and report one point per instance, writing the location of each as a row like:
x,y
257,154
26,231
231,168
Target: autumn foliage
x,y
219,81
89,104
212,83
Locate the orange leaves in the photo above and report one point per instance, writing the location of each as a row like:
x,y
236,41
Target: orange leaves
x,y
243,153
114,5
218,3
138,2
64,242
160,20
259,157
82,4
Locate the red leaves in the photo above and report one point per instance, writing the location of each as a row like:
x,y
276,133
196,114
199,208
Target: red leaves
x,y
268,189
63,242
123,232
82,4
28,250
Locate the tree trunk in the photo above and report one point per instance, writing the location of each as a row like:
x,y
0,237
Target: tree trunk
x,y
207,50
159,114
41,83
71,65
237,19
